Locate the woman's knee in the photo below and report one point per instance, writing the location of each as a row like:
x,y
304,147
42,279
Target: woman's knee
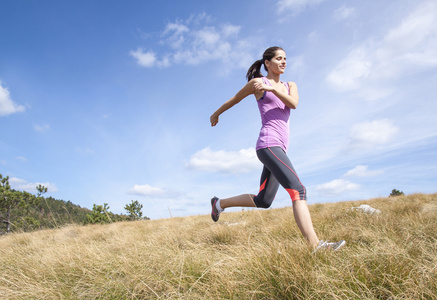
x,y
262,202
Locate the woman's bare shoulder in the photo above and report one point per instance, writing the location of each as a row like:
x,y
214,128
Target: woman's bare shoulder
x,y
256,80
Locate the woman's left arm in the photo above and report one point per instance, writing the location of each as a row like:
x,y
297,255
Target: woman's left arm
x,y
291,99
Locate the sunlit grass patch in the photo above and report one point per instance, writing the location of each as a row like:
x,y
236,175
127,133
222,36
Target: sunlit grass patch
x,y
256,254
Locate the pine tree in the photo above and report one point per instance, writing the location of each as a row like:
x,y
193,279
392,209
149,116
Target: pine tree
x,y
11,199
134,210
395,193
101,214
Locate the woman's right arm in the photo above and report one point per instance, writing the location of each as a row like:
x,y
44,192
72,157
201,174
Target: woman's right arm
x,y
247,90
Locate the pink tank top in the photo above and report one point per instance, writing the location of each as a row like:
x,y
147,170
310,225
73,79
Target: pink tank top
x,y
274,118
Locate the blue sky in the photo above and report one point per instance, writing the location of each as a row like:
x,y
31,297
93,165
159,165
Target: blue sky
x,y
109,101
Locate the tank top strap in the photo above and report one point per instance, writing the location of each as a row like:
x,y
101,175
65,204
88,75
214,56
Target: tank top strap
x,y
287,86
266,81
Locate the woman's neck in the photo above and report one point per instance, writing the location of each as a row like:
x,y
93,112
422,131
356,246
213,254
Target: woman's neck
x,y
274,77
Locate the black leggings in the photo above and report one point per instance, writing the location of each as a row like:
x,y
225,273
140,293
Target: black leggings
x,y
277,170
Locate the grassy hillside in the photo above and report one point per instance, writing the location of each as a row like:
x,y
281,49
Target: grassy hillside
x,y
257,254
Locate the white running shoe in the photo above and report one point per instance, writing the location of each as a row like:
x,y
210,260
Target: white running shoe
x,y
330,246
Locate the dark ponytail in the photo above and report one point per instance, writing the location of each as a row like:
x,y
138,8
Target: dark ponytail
x,y
255,69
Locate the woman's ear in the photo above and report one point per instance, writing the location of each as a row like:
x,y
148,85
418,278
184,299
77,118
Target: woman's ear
x,y
267,63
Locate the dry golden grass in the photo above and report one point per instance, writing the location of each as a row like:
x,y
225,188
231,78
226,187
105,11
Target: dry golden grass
x,y
257,254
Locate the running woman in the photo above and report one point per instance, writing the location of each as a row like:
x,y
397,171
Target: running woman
x,y
275,99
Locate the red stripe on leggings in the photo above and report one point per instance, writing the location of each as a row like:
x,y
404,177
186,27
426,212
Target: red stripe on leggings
x,y
294,175
293,194
263,186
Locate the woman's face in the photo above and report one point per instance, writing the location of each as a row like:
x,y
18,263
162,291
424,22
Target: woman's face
x,y
278,63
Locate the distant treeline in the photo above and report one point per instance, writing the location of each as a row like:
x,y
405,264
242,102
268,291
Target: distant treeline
x,y
22,211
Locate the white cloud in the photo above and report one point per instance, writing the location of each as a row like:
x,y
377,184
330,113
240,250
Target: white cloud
x,y
296,6
41,128
372,65
30,187
176,28
415,39
16,181
147,190
175,34
241,161
371,134
230,30
7,106
148,59
340,186
343,13
351,71
336,187
21,158
361,171
144,59
313,36
195,41
207,36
